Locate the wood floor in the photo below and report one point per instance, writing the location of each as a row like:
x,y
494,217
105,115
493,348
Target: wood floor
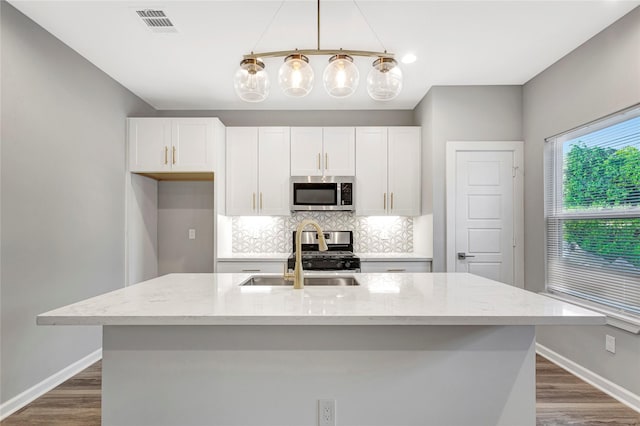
x,y
562,399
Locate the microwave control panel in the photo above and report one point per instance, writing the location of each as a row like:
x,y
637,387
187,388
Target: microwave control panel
x,y
346,196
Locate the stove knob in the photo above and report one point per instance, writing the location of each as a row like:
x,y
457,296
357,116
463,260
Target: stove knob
x,y
347,265
308,265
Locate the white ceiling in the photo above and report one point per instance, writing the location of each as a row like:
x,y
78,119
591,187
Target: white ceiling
x,y
457,43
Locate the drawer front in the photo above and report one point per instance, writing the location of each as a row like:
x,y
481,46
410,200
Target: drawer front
x,y
396,266
251,267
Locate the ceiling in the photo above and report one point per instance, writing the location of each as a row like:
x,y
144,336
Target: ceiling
x,y
456,43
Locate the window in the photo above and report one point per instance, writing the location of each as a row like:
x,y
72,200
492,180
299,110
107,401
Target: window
x,y
592,188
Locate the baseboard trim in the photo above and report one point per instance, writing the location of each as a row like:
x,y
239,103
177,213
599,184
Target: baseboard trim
x,y
623,395
19,401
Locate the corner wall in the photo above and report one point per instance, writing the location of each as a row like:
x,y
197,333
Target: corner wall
x,y
460,113
62,197
597,79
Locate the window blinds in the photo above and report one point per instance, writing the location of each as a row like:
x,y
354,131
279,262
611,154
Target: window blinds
x,y
592,210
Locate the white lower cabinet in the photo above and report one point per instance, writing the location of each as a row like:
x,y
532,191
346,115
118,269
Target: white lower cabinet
x,y
249,267
257,171
396,266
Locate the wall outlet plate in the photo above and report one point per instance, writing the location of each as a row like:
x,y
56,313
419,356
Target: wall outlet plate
x,y
610,344
326,412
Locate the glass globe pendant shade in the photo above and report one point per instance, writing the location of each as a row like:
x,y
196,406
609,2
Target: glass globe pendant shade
x,y
296,76
384,81
251,82
341,76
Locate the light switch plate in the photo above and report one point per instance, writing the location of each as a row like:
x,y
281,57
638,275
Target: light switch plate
x,y
192,234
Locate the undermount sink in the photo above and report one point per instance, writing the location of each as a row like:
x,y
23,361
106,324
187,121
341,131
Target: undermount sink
x,y
311,281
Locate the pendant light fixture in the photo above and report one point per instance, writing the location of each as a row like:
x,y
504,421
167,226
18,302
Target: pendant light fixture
x,y
384,81
296,76
251,81
340,78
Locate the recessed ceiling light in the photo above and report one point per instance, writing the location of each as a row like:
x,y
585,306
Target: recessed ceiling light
x,y
409,58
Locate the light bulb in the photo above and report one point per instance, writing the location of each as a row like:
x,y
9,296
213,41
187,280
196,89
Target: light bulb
x,y
296,76
341,76
251,82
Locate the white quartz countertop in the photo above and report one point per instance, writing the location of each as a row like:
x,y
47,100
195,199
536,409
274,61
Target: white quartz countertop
x,y
380,299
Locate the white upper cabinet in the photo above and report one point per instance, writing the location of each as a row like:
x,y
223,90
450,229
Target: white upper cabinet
x,y
257,171
388,173
242,171
306,151
273,166
171,144
318,151
371,171
404,171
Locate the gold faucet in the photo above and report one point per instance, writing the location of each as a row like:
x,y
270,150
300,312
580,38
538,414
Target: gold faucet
x,y
298,277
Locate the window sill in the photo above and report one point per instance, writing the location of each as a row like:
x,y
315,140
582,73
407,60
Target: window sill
x,y
614,319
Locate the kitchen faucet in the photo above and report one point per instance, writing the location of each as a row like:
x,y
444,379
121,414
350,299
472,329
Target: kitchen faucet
x,y
298,277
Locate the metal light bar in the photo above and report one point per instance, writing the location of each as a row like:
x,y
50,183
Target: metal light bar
x,y
318,52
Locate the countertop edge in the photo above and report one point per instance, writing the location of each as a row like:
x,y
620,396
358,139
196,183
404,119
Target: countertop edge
x,y
311,321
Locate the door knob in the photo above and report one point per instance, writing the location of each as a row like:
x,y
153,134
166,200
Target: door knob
x,y
463,256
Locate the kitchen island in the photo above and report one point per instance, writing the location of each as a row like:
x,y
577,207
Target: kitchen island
x,y
398,349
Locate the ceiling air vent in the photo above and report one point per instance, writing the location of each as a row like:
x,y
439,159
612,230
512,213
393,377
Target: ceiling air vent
x,y
156,20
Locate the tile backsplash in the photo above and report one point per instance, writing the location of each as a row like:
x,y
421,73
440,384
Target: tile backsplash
x,y
273,234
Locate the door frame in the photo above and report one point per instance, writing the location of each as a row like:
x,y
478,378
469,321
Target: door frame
x,y
517,148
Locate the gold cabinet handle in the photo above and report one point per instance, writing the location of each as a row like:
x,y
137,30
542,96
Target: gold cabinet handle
x,y
261,201
392,201
396,270
174,155
384,202
318,161
166,155
253,198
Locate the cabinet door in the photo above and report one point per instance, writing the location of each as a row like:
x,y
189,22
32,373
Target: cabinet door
x,y
339,151
273,171
395,266
371,171
404,171
149,145
242,171
306,151
250,266
192,140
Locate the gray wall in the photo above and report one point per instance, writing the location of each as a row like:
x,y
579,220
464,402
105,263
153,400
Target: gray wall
x,y
62,196
598,78
303,118
181,206
462,113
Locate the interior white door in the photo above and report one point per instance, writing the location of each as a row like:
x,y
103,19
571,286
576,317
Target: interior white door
x,y
484,214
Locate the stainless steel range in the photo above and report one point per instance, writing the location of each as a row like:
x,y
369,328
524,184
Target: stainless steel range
x,y
338,257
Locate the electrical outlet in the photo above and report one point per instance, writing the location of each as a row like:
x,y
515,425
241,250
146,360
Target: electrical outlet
x,y
326,412
192,234
610,344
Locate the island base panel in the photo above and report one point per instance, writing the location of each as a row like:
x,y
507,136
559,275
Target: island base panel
x,y
274,375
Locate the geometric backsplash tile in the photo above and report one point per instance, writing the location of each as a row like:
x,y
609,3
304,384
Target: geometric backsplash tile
x,y
273,234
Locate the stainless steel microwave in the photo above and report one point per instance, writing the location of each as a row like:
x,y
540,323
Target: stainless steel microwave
x,y
322,193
